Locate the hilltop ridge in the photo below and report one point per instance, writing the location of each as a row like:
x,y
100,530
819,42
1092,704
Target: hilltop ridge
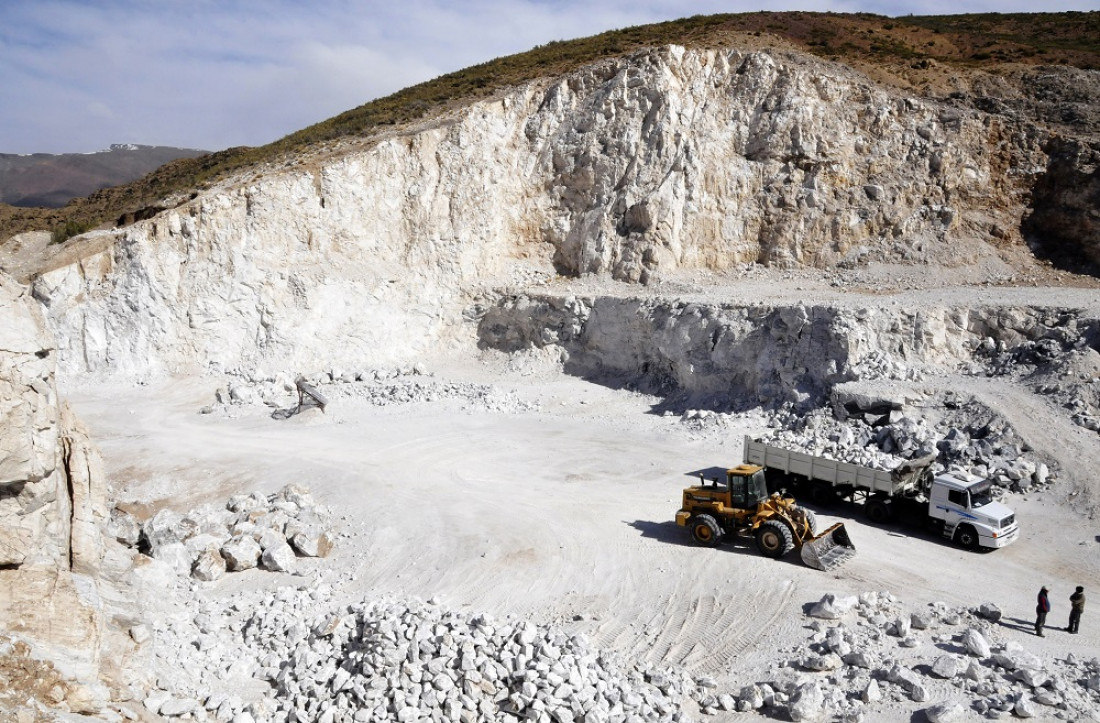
x,y
988,60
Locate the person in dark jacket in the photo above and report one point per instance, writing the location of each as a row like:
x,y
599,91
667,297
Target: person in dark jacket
x,y
1076,607
1041,610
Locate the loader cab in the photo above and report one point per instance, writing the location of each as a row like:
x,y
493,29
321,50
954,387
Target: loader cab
x,y
747,486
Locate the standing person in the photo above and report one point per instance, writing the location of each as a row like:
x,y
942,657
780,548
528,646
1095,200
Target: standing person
x,y
1041,610
1076,607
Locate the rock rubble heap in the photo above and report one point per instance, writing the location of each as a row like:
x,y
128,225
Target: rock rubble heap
x,y
408,661
869,652
395,661
296,655
255,530
379,387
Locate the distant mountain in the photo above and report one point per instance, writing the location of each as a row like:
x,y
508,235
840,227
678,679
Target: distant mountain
x,y
43,179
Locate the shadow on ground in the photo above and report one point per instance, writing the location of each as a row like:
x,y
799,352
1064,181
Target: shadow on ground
x,y
671,533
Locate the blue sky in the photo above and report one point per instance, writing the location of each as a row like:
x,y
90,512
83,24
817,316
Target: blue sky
x,y
79,76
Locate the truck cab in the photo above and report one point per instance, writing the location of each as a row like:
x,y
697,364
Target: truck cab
x,y
964,505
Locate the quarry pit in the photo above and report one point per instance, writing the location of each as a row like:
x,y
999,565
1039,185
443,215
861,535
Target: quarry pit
x,y
532,320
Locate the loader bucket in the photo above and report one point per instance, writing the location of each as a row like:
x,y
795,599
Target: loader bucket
x,y
829,549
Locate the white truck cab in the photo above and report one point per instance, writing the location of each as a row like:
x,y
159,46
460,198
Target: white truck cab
x,y
964,504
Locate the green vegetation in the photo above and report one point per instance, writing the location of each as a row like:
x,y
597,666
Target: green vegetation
x,y
1069,38
70,228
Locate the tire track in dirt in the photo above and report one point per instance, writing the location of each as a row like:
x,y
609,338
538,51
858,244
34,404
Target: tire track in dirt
x,y
702,633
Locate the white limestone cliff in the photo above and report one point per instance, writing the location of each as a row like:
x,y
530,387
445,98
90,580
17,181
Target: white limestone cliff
x,y
52,499
665,160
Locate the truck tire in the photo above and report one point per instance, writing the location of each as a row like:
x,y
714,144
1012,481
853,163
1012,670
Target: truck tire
x,y
967,537
705,530
878,511
774,539
822,494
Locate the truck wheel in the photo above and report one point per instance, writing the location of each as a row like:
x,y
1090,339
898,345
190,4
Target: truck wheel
x,y
878,511
774,539
822,494
705,530
967,537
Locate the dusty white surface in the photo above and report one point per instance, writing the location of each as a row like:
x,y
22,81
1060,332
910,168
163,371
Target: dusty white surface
x,y
563,514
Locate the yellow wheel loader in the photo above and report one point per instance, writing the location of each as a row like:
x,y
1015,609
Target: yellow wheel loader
x,y
740,504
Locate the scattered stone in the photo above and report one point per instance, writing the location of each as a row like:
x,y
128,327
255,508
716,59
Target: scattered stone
x,y
827,662
990,612
312,543
124,527
807,703
140,633
946,666
1031,677
920,621
1024,708
858,659
975,643
175,707
918,693
209,566
279,558
241,553
176,556
871,692
904,677
831,607
155,699
949,712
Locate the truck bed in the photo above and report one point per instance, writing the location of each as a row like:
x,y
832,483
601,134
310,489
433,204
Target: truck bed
x,y
823,469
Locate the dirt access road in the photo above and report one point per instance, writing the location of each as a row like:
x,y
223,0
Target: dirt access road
x,y
563,514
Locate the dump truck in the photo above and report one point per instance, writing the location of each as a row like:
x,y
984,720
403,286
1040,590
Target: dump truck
x,y
958,505
741,504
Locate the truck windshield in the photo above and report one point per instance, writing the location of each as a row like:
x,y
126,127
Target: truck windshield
x,y
981,494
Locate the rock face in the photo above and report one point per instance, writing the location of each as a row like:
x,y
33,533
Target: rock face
x,y
52,493
663,160
762,354
52,496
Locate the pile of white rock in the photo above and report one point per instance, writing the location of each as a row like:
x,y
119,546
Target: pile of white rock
x,y
255,530
480,397
869,654
395,661
379,387
410,661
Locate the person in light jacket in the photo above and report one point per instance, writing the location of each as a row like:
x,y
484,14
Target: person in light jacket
x,y
1076,607
1042,607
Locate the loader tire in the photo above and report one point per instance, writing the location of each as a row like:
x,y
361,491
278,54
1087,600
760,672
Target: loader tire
x,y
774,539
705,530
811,520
